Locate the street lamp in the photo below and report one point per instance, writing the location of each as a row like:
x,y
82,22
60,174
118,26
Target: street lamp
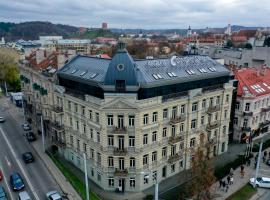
x,y
155,178
42,131
86,177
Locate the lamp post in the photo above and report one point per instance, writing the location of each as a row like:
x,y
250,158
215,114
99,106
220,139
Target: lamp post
x,y
86,177
155,178
24,120
42,132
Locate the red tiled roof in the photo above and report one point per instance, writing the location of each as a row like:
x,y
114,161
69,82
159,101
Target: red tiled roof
x,y
105,56
253,81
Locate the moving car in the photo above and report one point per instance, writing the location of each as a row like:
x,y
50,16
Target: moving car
x,y
261,182
53,195
3,195
28,157
2,119
16,181
26,127
24,196
30,136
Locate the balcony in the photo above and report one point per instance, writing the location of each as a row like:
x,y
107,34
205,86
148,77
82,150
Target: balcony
x,y
248,114
173,140
174,158
59,143
119,130
266,109
120,172
57,126
247,129
120,152
212,109
211,141
175,120
57,109
213,125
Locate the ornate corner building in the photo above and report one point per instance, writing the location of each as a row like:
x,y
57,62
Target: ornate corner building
x,y
134,117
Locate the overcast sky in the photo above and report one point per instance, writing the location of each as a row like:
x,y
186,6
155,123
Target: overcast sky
x,y
139,13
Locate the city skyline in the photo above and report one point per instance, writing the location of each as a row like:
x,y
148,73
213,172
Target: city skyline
x,y
147,15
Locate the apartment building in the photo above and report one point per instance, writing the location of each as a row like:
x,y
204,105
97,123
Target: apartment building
x,y
252,104
136,119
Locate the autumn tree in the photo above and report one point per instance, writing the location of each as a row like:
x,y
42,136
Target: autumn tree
x,y
9,72
203,173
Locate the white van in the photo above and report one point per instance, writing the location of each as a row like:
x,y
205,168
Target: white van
x,y
24,196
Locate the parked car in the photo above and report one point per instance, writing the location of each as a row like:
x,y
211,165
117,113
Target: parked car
x,y
53,195
2,119
16,181
30,136
3,195
28,157
26,127
261,182
1,175
24,196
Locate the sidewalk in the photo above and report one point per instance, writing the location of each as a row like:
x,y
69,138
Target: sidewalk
x,y
60,179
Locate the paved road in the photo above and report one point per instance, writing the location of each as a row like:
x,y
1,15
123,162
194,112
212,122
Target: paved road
x,y
37,179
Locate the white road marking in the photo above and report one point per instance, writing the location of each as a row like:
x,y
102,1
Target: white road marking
x,y
9,164
19,163
5,179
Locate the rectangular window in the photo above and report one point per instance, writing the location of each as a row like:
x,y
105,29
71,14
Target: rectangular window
x,y
237,105
173,131
132,182
120,121
227,98
131,141
92,154
211,102
245,123
181,127
174,112
154,156
172,168
90,114
202,120
218,100
97,117
91,133
78,145
183,108
69,105
225,114
223,147
164,152
110,120
99,158
85,148
194,107
111,182
131,120
83,110
145,159
132,162
70,121
99,177
164,132
192,142
110,140
154,136
193,124
71,141
203,103
77,125
155,116
224,129
173,150
247,106
145,179
145,139
165,113
110,162
235,121
145,119
98,137
84,128
75,107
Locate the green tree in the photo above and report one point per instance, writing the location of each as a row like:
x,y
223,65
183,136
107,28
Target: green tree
x,y
248,46
9,72
229,43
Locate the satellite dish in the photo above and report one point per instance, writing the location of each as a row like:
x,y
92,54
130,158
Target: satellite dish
x,y
173,63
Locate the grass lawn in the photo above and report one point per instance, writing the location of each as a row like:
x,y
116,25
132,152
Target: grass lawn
x,y
74,180
244,193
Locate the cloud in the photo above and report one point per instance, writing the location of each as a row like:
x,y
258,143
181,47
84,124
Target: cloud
x,y
139,14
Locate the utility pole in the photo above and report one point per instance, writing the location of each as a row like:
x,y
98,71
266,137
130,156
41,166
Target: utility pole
x,y
42,133
86,178
258,163
6,88
24,120
156,190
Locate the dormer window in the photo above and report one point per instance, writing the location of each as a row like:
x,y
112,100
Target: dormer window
x,y
120,67
120,85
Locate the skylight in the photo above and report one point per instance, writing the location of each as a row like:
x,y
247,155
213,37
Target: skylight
x,y
83,73
155,76
170,74
159,76
173,74
190,72
212,69
73,71
93,75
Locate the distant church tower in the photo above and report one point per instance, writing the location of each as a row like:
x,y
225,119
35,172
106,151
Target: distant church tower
x,y
228,30
189,32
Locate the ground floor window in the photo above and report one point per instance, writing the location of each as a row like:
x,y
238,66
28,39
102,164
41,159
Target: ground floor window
x,y
132,182
223,147
172,168
99,177
111,182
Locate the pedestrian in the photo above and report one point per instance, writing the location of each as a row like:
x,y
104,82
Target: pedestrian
x,y
227,188
231,172
231,180
228,179
224,185
220,183
255,164
248,162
